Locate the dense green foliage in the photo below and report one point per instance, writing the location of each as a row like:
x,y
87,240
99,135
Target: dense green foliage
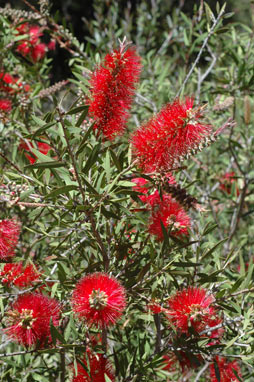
x,y
78,209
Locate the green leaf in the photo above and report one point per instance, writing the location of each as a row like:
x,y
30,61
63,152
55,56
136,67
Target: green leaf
x,y
41,130
61,190
55,334
77,109
51,164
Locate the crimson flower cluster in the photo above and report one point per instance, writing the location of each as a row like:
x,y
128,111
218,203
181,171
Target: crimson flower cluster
x,y
27,146
99,300
164,209
32,46
9,86
97,367
225,370
192,308
112,88
18,275
9,236
172,134
226,182
29,319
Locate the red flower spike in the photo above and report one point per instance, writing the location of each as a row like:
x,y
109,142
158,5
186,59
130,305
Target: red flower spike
x,y
226,182
41,146
192,308
226,370
99,299
112,88
170,135
181,359
168,212
29,319
155,307
9,235
38,52
18,275
5,105
97,367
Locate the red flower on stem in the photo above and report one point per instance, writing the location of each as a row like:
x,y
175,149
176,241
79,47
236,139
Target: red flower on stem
x,y
29,319
97,367
31,46
9,236
28,146
192,308
5,105
168,212
99,299
18,275
173,133
225,370
112,88
226,182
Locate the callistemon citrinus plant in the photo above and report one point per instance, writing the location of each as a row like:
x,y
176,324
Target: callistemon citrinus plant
x,y
123,251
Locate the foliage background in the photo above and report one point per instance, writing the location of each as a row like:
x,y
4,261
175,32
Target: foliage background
x,y
61,237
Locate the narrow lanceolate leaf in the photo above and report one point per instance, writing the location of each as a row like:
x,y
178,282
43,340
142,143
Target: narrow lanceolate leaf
x,y
51,164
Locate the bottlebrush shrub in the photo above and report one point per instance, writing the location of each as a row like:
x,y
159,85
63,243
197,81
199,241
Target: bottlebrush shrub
x,y
99,300
28,319
9,236
137,250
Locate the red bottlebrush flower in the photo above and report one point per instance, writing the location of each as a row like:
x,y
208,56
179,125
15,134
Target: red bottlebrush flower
x,y
112,88
97,368
181,359
18,275
9,236
98,299
38,52
169,212
226,182
27,146
173,133
225,369
52,45
5,105
5,80
155,307
24,48
141,187
192,308
29,319
34,34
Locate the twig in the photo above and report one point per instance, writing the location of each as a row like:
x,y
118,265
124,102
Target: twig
x,y
62,358
200,52
11,163
201,78
201,371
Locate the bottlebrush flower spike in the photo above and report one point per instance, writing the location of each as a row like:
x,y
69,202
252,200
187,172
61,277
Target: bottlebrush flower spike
x,y
192,308
9,236
98,299
174,133
168,212
29,319
225,369
112,88
18,275
5,105
28,146
97,367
